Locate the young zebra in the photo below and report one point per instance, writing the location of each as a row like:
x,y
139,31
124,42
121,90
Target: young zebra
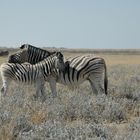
x,y
78,70
27,73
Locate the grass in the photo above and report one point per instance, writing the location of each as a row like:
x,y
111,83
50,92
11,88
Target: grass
x,y
77,114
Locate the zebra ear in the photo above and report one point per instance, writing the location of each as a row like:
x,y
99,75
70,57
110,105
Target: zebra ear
x,y
22,46
59,54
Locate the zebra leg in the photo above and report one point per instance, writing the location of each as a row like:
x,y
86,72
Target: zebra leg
x,y
100,88
94,90
42,92
5,86
96,83
52,82
40,89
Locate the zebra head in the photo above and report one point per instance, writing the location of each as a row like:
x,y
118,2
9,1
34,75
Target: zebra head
x,y
18,57
59,62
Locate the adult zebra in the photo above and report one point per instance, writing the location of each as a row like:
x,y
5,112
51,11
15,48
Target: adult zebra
x,y
27,73
29,53
79,69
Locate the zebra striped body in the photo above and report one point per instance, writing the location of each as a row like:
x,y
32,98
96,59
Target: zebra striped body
x,y
27,73
80,69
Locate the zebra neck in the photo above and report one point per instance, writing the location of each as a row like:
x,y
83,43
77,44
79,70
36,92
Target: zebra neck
x,y
48,64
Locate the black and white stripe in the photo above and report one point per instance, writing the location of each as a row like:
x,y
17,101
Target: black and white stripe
x,y
27,73
78,70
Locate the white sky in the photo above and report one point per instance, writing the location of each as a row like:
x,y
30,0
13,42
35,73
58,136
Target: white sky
x,y
70,23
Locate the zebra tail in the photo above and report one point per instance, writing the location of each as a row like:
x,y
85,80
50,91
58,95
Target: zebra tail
x,y
105,79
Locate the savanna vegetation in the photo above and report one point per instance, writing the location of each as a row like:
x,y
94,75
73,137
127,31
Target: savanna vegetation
x,y
78,114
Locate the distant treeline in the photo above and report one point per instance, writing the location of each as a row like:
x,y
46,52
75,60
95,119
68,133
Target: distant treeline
x,y
4,52
96,51
104,51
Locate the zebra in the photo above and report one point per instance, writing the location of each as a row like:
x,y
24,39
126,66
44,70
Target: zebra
x,y
27,55
77,70
35,74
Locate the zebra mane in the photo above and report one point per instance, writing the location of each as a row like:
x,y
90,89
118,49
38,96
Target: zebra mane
x,y
31,47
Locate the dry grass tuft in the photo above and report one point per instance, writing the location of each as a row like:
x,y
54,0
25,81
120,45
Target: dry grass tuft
x,y
37,118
